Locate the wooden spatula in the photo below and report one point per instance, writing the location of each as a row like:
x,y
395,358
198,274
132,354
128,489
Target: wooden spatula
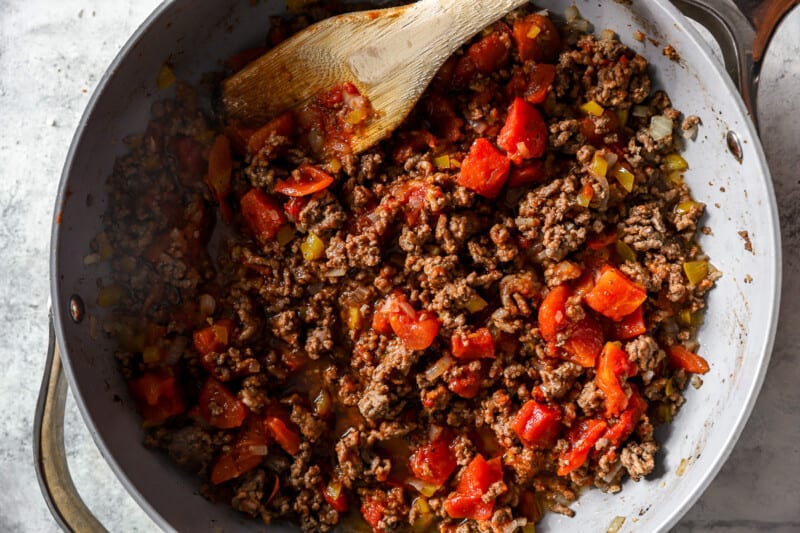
x,y
390,55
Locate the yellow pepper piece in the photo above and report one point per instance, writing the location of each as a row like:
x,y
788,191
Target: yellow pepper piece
x,y
685,207
354,318
151,354
165,77
625,252
356,116
622,116
696,271
624,176
592,108
313,247
442,162
534,32
675,162
675,178
110,296
599,165
530,527
476,303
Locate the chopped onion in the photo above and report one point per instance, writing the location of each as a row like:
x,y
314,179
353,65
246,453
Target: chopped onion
x,y
522,149
439,367
336,272
426,489
259,449
660,127
640,111
91,259
616,524
690,133
581,25
571,13
608,35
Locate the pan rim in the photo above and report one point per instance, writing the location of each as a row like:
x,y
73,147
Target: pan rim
x,y
773,266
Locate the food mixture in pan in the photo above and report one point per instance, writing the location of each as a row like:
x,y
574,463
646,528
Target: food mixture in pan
x,y
458,329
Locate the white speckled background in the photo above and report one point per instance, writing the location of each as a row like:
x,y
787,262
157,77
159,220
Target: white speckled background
x,y
52,52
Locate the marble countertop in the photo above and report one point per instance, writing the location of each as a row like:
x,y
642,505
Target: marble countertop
x,y
52,53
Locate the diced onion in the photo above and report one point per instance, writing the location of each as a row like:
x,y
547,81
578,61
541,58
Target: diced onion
x,y
439,368
426,489
571,13
336,272
259,449
581,25
522,150
690,133
608,35
640,111
660,127
91,259
616,524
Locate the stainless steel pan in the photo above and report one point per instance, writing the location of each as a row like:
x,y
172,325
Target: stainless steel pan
x,y
728,172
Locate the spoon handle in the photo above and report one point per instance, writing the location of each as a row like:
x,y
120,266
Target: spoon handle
x,y
435,28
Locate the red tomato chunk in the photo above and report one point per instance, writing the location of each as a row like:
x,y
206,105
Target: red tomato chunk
x,y
524,135
537,425
485,169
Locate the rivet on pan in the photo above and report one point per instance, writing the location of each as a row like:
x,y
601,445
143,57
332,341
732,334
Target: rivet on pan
x,y
76,308
735,145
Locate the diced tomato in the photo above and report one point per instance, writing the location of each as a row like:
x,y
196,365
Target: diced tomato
x,y
307,179
553,313
467,500
485,169
293,207
541,46
613,368
238,61
245,454
584,341
582,437
373,509
263,214
589,126
476,345
631,325
444,120
532,172
465,382
417,332
614,295
282,125
489,54
286,437
540,80
416,329
219,407
157,396
680,357
627,421
415,196
334,494
435,461
524,135
213,338
537,425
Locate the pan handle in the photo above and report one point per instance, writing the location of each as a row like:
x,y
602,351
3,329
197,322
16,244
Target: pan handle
x,y
742,29
49,455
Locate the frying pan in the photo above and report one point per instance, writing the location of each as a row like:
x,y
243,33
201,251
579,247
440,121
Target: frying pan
x,y
728,172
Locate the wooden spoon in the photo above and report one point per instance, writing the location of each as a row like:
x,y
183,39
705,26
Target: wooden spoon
x,y
390,55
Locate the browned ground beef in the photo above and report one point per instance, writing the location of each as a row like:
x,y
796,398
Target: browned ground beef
x,y
360,400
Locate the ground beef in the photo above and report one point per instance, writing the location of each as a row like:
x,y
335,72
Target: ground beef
x,y
337,352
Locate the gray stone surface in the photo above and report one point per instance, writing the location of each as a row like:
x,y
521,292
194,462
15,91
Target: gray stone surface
x,y
51,55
